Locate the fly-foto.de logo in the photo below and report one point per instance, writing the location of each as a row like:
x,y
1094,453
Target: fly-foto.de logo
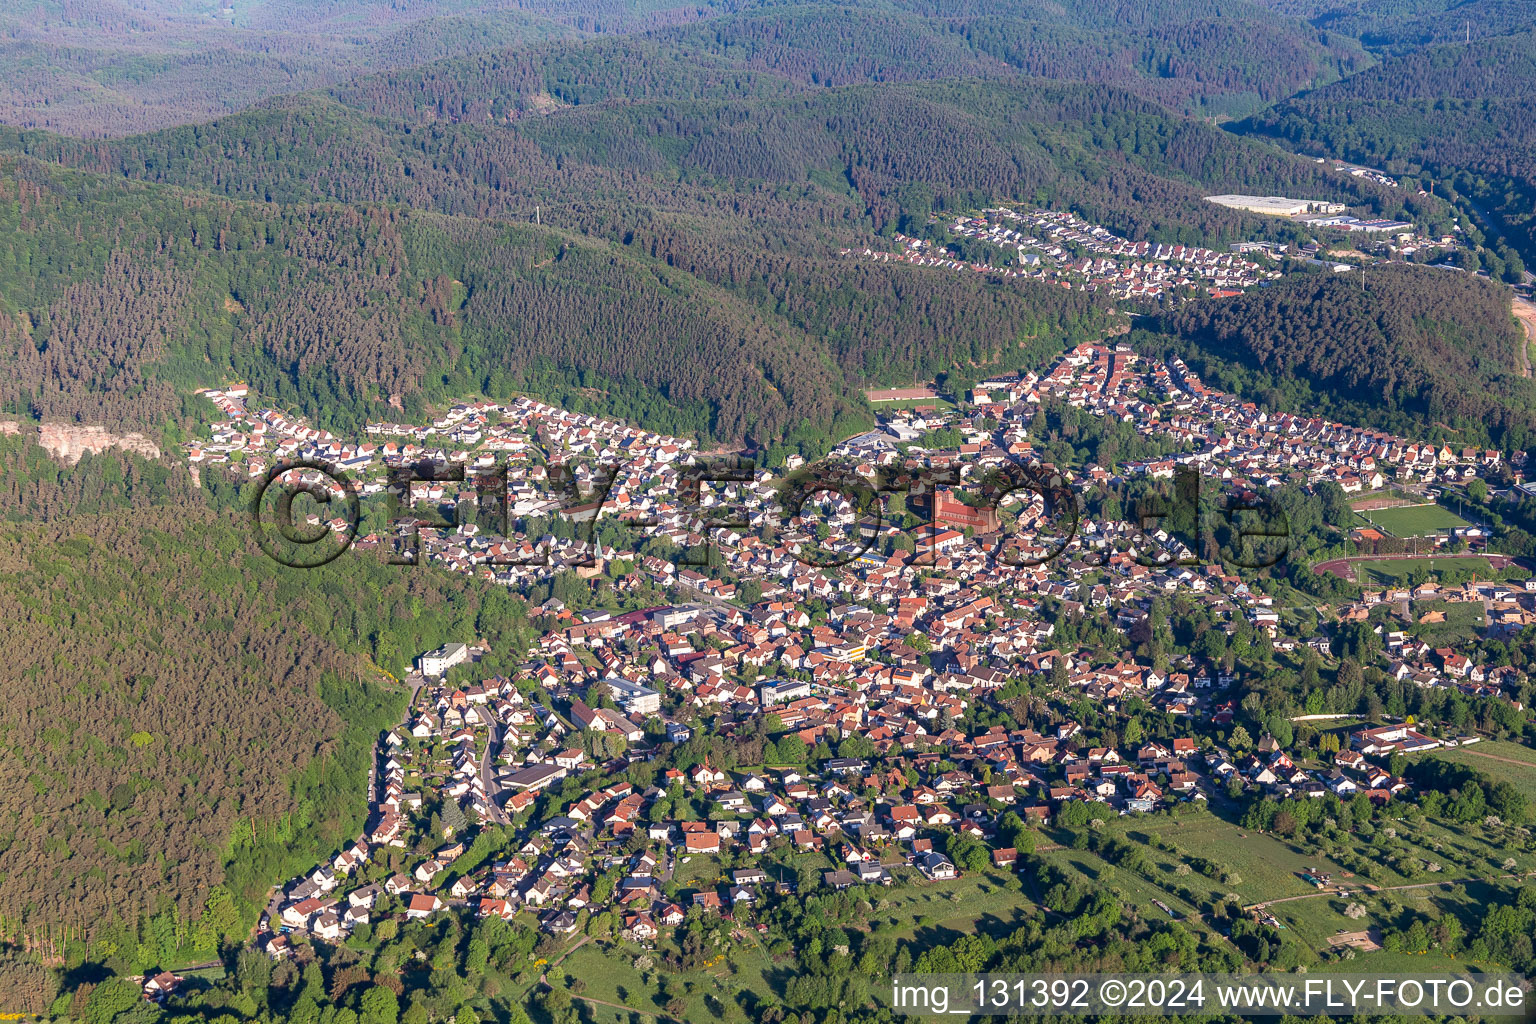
x,y
305,514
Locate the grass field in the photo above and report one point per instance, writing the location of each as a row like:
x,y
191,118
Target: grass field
x,y
1386,963
1465,851
1267,865
1463,621
610,974
941,404
1391,498
1316,920
930,912
1413,520
935,913
1133,888
1385,572
1500,761
702,870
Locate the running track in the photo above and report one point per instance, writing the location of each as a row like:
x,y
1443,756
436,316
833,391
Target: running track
x,y
1340,567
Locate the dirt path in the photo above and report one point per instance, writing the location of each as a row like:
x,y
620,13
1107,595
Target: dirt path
x,y
544,980
1496,757
628,1009
1525,312
1370,889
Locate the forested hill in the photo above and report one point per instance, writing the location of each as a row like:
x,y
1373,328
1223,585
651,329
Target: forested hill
x,y
118,298
1401,26
1425,352
768,163
1466,113
346,251
112,69
122,298
684,274
188,721
1190,55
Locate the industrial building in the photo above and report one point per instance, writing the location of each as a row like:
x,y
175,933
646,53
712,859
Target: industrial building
x,y
438,662
1275,206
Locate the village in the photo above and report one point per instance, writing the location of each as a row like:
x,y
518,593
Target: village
x,y
862,673
1046,245
487,752
946,582
1049,245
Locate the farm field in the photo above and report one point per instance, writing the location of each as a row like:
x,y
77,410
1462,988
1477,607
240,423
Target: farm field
x,y
1500,761
1413,520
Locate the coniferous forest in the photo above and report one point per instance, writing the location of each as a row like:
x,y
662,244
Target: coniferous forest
x,y
409,248
188,717
1419,349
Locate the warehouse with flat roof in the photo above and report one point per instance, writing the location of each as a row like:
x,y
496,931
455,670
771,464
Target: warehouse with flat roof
x,y
534,777
1275,206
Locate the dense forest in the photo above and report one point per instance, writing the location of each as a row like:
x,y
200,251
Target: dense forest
x,y
712,223
1460,116
141,781
115,68
764,160
1401,26
110,67
1422,351
119,298
1217,58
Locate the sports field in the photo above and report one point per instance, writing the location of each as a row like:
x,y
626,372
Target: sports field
x,y
938,403
1396,571
1383,499
1413,520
